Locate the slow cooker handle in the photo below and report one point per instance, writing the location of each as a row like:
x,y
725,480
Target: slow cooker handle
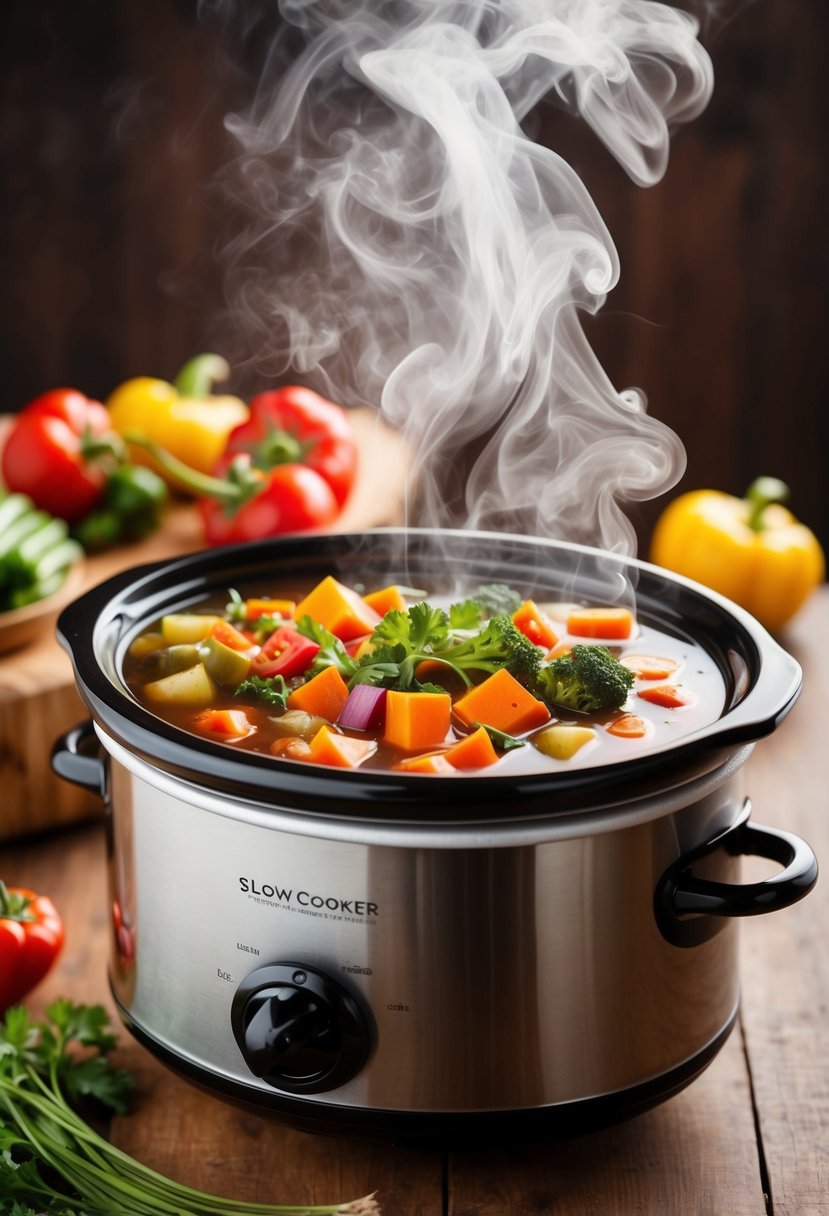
x,y
679,894
77,757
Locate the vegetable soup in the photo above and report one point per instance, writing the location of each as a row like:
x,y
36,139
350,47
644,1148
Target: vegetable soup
x,y
394,679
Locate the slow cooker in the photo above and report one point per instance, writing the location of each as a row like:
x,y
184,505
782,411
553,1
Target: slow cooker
x,y
429,957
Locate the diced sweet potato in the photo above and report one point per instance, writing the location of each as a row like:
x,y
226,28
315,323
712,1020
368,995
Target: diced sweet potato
x,y
473,751
431,762
417,720
386,599
600,623
535,625
503,703
339,609
324,695
340,751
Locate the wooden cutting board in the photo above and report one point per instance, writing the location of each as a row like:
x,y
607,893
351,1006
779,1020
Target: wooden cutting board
x,y
38,700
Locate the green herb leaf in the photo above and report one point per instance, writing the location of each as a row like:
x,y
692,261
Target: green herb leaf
x,y
332,653
501,739
271,689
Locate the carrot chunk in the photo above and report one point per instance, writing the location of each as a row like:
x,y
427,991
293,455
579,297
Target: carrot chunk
x,y
473,751
649,667
534,624
340,751
600,623
416,720
386,599
430,762
225,633
503,703
339,609
224,723
669,696
255,608
628,726
324,695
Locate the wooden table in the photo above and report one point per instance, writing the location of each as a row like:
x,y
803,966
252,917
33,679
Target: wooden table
x,y
749,1137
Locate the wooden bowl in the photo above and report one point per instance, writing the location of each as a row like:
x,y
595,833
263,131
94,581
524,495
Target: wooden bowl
x,y
20,626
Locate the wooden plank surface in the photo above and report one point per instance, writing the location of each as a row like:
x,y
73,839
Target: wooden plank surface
x,y
754,1125
38,700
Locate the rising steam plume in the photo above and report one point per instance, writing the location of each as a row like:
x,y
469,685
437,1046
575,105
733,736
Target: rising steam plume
x,y
407,245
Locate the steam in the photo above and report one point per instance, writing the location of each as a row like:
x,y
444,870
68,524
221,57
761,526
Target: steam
x,y
407,245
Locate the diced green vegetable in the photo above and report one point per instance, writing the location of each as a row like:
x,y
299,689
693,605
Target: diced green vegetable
x,y
298,724
224,664
170,659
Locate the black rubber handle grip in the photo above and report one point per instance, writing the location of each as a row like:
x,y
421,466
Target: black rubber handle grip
x,y
77,757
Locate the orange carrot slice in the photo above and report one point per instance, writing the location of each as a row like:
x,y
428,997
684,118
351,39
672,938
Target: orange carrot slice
x,y
600,623
417,720
323,696
669,696
628,726
431,762
255,608
649,667
473,751
225,633
503,703
340,751
534,624
386,599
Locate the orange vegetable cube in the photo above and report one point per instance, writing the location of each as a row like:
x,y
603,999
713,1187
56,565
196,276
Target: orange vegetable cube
x,y
416,720
473,751
324,695
666,695
338,609
600,623
386,599
503,703
256,608
224,723
340,751
534,624
430,762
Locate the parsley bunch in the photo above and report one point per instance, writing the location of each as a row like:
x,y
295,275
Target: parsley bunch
x,y
52,1163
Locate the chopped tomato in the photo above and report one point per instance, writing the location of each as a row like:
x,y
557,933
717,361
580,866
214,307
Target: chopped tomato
x,y
649,667
287,652
669,696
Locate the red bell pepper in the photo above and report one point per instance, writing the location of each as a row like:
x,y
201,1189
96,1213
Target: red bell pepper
x,y
53,450
294,425
31,936
286,653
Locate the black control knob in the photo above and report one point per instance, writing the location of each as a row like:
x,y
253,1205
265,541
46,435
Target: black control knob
x,y
298,1029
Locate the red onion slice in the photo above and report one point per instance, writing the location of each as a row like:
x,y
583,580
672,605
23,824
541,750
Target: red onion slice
x,y
365,708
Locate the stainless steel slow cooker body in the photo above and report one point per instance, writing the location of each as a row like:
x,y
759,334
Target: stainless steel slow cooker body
x,y
422,956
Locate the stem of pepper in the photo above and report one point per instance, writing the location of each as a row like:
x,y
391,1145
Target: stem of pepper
x,y
198,375
13,906
242,482
762,492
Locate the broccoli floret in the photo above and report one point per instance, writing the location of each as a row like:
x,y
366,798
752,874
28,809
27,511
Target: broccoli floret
x,y
499,644
587,679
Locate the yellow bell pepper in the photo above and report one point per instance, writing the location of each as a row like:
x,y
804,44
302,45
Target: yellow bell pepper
x,y
750,549
182,417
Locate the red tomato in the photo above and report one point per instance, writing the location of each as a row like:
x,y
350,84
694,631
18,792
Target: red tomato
x,y
49,453
293,424
292,498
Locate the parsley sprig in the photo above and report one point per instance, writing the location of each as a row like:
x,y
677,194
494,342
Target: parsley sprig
x,y
53,1163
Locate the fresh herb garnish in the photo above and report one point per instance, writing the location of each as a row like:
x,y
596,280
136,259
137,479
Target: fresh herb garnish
x,y
52,1162
272,689
331,653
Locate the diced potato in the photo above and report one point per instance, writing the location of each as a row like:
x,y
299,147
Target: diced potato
x,y
562,742
298,724
223,663
145,644
183,627
190,687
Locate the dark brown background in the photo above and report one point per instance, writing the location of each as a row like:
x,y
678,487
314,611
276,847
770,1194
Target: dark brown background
x,y
112,133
